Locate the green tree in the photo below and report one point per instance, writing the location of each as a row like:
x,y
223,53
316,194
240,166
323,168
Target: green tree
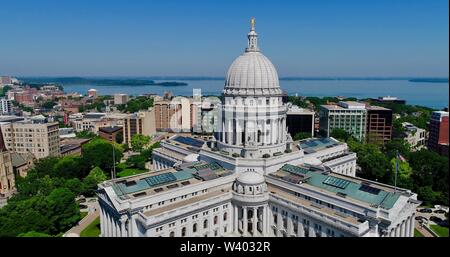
x,y
301,136
373,162
99,152
395,145
139,103
95,177
85,134
62,210
427,195
75,185
33,234
4,90
48,104
71,167
404,179
119,137
340,134
138,142
136,161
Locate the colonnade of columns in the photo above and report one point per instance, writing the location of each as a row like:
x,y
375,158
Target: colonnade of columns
x,y
256,216
111,226
404,229
263,132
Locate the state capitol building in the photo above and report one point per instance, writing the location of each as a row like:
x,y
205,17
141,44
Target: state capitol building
x,y
252,179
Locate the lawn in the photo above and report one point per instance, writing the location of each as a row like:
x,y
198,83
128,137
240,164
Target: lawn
x,y
441,231
92,230
130,172
417,233
83,214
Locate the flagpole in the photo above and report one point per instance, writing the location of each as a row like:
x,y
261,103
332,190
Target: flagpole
x,y
396,171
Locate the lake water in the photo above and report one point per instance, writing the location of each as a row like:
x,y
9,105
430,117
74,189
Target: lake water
x,y
433,95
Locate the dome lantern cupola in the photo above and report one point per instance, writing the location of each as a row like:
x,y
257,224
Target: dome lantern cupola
x,y
252,38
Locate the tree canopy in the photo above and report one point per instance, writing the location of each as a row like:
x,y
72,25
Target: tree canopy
x,y
138,142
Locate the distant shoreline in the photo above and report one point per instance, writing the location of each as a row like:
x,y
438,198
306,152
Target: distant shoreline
x,y
430,80
84,80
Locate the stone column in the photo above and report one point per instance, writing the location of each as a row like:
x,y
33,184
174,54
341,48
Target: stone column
x,y
280,222
403,228
413,225
122,227
111,227
290,226
229,134
265,221
311,229
397,230
235,219
245,226
255,220
223,132
408,227
102,222
300,229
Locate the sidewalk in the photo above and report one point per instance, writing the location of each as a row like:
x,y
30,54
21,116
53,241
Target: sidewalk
x,y
90,217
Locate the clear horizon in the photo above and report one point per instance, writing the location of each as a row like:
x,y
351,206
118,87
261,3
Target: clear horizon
x,y
349,38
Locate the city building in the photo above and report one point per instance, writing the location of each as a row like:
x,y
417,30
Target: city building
x,y
7,178
205,114
110,133
5,106
438,132
388,99
40,139
251,178
67,133
414,136
72,146
201,199
120,98
92,93
300,120
349,116
173,115
93,121
329,153
21,163
379,124
140,123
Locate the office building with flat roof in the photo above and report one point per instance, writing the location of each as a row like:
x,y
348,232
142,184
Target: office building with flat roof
x,y
379,125
349,116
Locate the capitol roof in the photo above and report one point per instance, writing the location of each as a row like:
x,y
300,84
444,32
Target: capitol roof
x,y
250,178
370,193
252,73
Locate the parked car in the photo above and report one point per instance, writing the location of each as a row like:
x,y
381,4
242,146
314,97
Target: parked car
x,y
426,210
436,219
419,218
440,211
83,206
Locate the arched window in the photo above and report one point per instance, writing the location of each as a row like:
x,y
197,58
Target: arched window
x,y
183,232
205,224
172,234
225,216
194,227
215,220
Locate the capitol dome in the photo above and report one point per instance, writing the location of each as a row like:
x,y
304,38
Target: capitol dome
x,y
252,74
250,178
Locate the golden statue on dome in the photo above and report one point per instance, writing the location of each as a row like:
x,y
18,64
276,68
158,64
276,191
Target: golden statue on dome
x,y
252,22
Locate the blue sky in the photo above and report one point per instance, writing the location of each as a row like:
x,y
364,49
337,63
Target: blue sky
x,y
202,38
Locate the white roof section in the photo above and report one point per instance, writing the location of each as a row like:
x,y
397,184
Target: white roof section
x,y
250,178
